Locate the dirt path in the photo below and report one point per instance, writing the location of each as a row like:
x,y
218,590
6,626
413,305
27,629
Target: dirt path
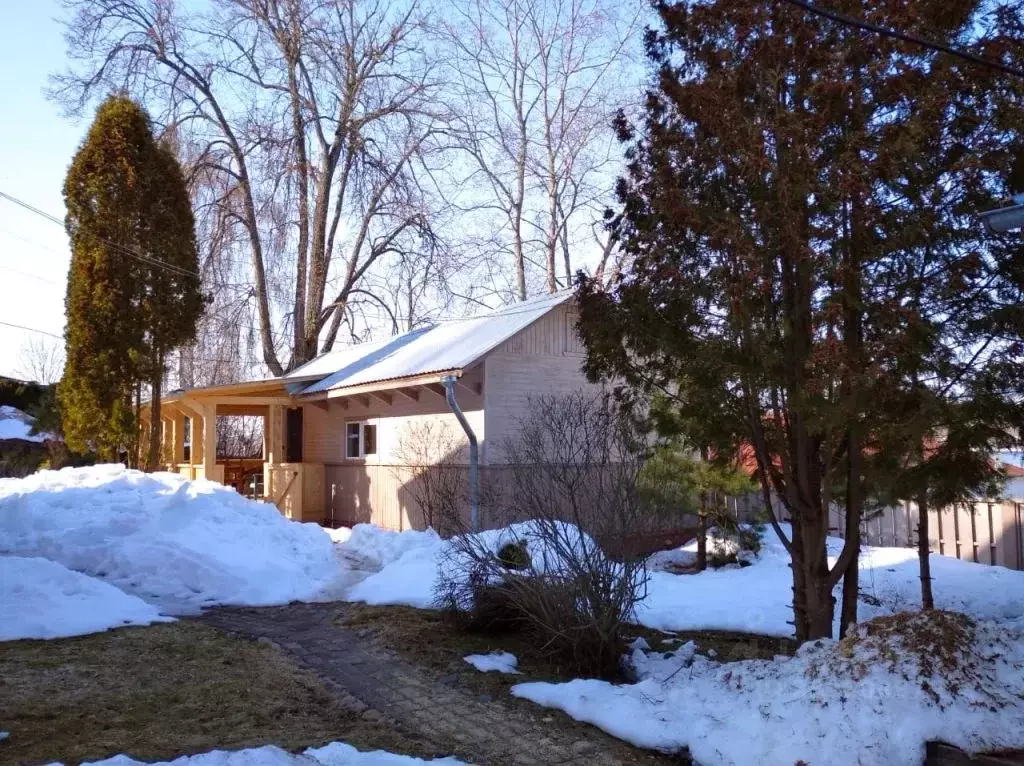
x,y
449,719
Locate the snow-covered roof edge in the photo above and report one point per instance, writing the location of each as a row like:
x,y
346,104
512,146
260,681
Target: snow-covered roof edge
x,y
484,333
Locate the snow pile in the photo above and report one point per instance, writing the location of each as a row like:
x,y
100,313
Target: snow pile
x,y
410,561
872,699
173,542
755,598
501,662
380,547
15,424
339,534
333,754
758,598
42,599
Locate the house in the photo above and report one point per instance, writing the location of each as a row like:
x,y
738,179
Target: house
x,y
334,427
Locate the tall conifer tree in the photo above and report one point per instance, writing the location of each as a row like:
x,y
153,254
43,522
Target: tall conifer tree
x,y
785,169
133,289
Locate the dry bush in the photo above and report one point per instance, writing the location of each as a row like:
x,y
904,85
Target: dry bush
x,y
574,467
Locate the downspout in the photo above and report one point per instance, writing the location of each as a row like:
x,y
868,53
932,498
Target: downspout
x,y
448,381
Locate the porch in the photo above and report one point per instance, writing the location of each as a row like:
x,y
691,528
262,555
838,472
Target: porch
x,y
188,423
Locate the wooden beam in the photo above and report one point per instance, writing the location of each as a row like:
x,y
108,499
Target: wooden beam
x,y
363,400
251,410
321,404
436,389
261,401
409,393
390,385
473,388
382,397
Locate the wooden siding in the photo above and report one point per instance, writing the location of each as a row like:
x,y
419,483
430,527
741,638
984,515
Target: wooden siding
x,y
324,431
544,359
554,333
296,489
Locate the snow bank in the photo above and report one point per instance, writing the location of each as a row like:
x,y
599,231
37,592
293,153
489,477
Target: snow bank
x,y
501,662
173,542
339,534
753,599
15,424
42,599
410,561
757,598
869,701
333,754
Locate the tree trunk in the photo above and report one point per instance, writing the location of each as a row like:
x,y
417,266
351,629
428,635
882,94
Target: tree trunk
x,y
851,577
155,441
923,554
702,536
820,606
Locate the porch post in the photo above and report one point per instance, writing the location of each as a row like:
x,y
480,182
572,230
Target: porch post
x,y
177,438
210,444
195,452
275,434
166,440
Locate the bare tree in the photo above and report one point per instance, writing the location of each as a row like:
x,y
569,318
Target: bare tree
x,y
309,120
41,360
538,82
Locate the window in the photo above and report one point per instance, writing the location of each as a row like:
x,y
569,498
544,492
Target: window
x,y
360,439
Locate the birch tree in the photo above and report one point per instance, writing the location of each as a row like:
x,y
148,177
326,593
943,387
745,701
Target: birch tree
x,y
537,83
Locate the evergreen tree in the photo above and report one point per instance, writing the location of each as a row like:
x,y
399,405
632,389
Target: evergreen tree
x,y
172,300
133,286
773,193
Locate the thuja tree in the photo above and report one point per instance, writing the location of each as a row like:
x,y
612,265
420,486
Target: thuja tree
x,y
765,214
133,288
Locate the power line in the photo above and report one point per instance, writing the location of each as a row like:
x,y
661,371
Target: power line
x,y
868,26
31,329
30,276
147,259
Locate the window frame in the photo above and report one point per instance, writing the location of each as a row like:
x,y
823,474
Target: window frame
x,y
363,455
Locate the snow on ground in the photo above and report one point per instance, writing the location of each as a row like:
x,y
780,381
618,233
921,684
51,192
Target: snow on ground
x,y
42,599
834,703
409,562
15,424
338,534
333,754
501,662
175,543
753,599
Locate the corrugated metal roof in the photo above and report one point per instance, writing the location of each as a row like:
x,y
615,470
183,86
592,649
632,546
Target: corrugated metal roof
x,y
450,345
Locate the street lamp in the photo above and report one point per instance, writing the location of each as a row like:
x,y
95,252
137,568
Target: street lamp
x,y
1004,219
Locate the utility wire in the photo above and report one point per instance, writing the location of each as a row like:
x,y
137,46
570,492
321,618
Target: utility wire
x,y
148,259
934,45
31,329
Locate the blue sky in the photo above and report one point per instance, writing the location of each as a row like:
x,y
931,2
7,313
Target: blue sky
x,y
36,146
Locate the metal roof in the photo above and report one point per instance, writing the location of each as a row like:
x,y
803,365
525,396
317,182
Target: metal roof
x,y
451,345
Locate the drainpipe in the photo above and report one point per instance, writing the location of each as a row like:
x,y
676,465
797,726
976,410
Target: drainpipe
x,y
448,381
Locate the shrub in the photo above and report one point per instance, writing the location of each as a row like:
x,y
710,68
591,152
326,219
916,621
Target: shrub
x,y
514,555
573,471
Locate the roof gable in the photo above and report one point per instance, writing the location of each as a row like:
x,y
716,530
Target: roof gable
x,y
450,345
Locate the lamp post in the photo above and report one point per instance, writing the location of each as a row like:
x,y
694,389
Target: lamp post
x,y
1004,219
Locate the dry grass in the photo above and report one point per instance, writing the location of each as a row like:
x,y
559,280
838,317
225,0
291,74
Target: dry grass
x,y
163,691
433,640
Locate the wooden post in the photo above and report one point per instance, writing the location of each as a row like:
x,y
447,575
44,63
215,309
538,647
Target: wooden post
x,y
210,443
177,438
166,440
